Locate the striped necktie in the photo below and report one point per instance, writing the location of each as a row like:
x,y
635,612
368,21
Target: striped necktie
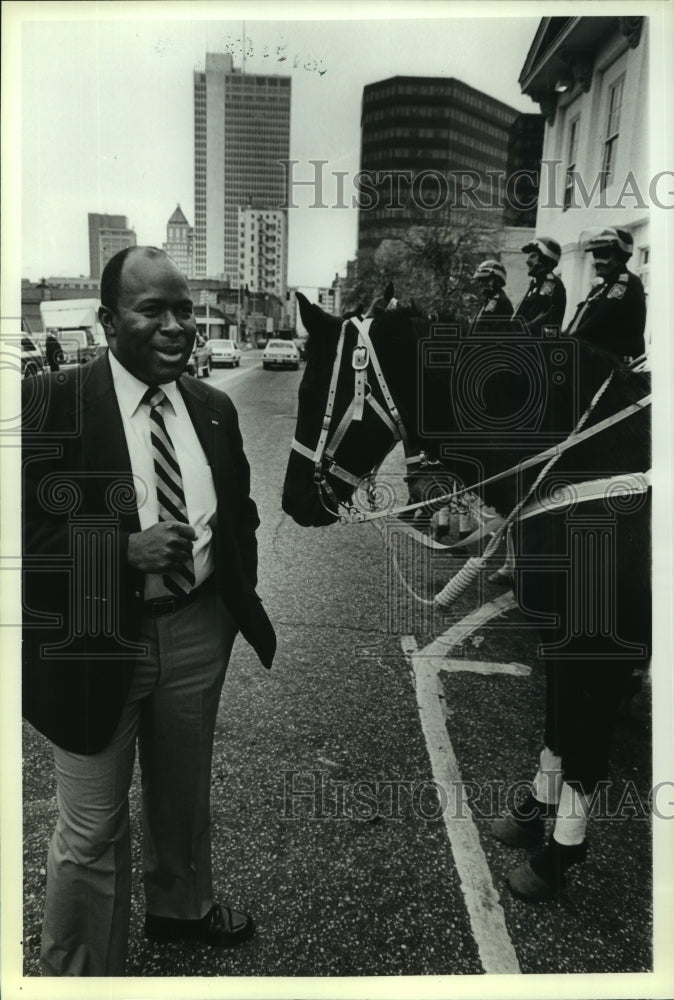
x,y
170,494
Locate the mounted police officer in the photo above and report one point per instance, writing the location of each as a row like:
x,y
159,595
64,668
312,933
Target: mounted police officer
x,y
545,300
613,316
491,275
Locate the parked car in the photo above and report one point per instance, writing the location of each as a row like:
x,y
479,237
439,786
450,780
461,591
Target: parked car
x,y
280,354
225,352
199,363
75,324
32,361
32,358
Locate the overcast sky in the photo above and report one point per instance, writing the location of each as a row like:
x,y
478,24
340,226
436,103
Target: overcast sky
x,y
107,109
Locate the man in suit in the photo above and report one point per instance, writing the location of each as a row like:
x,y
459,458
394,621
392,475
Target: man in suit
x,y
140,567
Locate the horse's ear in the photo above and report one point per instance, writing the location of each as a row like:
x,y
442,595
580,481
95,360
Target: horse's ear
x,y
307,309
313,317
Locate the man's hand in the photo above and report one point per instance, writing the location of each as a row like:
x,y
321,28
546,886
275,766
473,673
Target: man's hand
x,y
163,547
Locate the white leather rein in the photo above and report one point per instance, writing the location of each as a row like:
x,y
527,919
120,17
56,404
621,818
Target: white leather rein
x,y
364,358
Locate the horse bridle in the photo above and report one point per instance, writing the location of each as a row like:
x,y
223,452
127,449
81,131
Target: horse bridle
x,y
363,360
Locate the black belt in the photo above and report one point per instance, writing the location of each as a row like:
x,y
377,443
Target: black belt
x,y
159,606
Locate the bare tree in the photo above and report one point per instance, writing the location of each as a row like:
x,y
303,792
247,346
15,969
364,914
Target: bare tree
x,y
433,264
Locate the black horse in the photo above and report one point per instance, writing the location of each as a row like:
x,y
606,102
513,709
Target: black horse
x,y
555,435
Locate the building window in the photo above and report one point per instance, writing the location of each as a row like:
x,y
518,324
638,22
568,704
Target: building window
x,y
571,154
615,100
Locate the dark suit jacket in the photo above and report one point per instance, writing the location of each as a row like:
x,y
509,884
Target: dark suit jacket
x,y
82,600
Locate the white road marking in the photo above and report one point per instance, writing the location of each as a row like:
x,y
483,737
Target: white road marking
x,y
232,373
486,667
485,912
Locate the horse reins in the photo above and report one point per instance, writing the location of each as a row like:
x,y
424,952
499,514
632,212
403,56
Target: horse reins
x,y
323,456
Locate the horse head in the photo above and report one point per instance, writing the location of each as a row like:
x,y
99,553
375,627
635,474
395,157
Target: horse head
x,y
348,418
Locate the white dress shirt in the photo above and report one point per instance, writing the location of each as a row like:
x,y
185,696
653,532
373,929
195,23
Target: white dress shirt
x,y
197,477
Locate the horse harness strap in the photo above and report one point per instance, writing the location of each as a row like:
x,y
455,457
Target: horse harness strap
x,y
576,437
369,355
330,404
323,456
623,485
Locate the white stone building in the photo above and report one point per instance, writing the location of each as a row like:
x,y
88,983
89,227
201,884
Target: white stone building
x,y
590,77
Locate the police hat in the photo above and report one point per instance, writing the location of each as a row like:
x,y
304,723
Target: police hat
x,y
545,246
615,239
489,269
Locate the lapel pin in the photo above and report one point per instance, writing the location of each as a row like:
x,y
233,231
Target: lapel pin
x,y
215,422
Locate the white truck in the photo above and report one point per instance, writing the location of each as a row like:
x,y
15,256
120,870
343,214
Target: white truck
x,y
74,322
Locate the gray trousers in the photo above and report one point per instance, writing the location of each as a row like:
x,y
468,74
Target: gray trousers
x,y
170,712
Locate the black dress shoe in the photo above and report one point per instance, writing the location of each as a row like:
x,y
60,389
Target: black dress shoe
x,y
220,928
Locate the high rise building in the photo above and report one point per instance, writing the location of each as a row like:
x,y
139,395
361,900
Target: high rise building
x,y
330,299
263,249
241,132
425,137
180,242
107,235
525,147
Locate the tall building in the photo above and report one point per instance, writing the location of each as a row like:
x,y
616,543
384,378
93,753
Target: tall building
x,y
330,299
241,131
422,134
107,235
525,146
180,242
263,249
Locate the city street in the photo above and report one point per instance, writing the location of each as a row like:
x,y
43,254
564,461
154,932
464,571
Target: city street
x,y
354,783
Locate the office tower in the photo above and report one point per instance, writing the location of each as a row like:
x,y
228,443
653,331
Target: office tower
x,y
180,242
241,132
263,249
107,235
422,133
525,147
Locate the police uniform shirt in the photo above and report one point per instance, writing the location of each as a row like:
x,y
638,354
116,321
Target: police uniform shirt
x,y
614,316
543,303
498,306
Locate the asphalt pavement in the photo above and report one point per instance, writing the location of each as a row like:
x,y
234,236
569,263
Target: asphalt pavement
x,y
330,817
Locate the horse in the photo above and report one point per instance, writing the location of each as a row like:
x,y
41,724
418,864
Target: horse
x,y
555,435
